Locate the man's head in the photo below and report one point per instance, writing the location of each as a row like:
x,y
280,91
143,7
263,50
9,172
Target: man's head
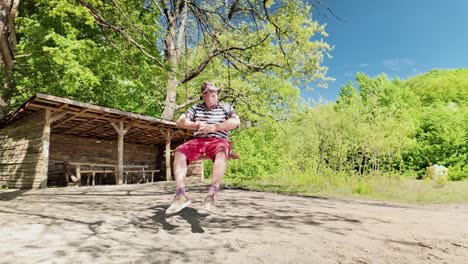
x,y
208,87
209,93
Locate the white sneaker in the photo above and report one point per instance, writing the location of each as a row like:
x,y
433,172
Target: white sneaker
x,y
180,202
210,204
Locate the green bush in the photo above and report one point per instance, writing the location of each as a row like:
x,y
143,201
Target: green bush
x,y
362,187
458,173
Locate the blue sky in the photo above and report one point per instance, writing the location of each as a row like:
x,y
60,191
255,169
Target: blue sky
x,y
400,38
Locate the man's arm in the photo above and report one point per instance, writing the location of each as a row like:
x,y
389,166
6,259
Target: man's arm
x,y
229,124
186,123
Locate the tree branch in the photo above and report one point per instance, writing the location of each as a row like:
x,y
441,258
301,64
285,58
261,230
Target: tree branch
x,y
100,20
125,59
253,67
277,30
215,52
250,107
182,24
191,101
233,9
130,22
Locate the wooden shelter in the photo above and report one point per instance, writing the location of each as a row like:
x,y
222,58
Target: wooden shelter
x,y
49,135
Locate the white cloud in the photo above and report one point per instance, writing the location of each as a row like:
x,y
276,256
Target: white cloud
x,y
363,65
349,74
397,64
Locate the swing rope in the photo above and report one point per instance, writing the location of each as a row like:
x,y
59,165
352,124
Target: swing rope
x,y
229,70
232,154
186,61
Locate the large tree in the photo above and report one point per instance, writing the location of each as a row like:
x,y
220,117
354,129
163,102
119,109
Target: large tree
x,y
272,40
62,51
8,11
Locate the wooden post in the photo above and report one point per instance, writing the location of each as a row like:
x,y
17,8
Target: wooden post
x,y
45,150
120,154
78,174
121,131
168,136
49,118
168,159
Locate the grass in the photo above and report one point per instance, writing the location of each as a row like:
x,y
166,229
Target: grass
x,y
375,188
422,191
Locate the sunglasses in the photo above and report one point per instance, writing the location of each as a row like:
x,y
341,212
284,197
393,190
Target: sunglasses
x,y
210,91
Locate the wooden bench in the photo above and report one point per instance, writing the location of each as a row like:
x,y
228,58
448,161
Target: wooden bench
x,y
91,169
136,169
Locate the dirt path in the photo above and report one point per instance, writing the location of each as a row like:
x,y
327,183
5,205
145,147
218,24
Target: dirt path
x,y
127,224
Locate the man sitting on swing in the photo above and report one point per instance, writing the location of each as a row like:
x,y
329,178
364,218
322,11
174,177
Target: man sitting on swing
x,y
211,121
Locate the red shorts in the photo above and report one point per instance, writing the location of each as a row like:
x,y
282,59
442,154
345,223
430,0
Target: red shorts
x,y
197,147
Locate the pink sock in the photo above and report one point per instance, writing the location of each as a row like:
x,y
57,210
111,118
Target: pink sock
x,y
180,192
213,191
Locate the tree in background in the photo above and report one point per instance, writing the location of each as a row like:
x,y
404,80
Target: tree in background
x,y
136,55
442,133
197,38
382,117
8,12
63,52
377,127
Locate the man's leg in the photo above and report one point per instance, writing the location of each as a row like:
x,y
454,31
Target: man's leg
x,y
219,168
180,170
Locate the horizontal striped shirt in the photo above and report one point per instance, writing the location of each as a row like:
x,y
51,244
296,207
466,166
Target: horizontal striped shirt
x,y
220,113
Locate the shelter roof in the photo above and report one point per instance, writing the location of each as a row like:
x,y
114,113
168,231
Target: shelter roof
x,y
87,120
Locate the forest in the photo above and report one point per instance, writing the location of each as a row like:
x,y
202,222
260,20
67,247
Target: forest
x,y
150,57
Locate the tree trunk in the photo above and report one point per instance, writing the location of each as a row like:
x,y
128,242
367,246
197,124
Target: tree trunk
x,y
5,97
172,46
8,11
172,57
170,102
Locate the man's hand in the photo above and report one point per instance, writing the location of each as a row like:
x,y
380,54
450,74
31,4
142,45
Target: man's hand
x,y
205,128
198,125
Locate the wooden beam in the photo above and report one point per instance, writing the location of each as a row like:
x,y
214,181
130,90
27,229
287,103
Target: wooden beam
x,y
135,123
87,122
168,136
120,151
121,131
45,150
56,117
51,98
90,129
70,118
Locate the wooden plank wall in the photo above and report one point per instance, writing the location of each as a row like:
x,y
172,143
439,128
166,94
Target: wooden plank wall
x,y
78,149
22,160
195,170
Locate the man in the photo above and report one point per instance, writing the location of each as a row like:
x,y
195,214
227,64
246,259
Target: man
x,y
211,121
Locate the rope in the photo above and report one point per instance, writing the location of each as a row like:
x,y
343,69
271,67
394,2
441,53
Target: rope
x,y
229,72
186,59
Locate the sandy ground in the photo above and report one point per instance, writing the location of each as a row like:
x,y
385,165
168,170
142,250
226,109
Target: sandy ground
x,y
127,224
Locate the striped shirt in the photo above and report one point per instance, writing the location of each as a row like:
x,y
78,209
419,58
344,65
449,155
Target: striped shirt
x,y
220,113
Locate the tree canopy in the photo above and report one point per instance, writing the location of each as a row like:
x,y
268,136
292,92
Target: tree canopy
x,y
151,56
378,126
